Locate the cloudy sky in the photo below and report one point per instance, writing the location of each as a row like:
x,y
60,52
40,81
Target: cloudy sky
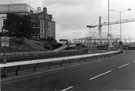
x,y
72,16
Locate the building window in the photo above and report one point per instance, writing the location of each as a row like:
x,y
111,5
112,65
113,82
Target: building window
x,y
42,31
49,23
49,30
42,23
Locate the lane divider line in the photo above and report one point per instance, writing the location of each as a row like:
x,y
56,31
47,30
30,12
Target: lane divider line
x,y
133,61
100,75
123,65
67,88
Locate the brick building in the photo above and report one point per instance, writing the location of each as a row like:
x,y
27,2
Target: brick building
x,y
43,26
46,24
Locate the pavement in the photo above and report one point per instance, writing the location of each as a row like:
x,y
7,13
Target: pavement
x,y
110,74
60,49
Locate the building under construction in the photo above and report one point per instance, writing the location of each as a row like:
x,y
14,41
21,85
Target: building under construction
x,y
96,39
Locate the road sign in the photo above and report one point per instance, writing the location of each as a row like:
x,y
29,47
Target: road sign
x,y
4,44
4,41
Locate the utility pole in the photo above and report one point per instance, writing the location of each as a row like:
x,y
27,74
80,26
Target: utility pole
x,y
100,30
108,25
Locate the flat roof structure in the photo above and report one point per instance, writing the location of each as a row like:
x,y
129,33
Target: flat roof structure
x,y
16,8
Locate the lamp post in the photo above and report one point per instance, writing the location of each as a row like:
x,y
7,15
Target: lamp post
x,y
120,12
108,25
77,34
93,36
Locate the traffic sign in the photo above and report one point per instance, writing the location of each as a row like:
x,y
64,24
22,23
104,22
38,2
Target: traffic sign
x,y
4,44
4,41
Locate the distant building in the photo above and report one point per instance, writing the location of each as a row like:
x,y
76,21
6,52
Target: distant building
x,y
16,8
46,24
2,19
42,23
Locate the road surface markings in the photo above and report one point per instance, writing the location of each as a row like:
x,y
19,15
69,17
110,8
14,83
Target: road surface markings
x,y
100,75
123,65
67,88
133,61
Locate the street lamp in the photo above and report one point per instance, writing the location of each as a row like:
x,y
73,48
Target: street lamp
x,y
108,25
120,12
77,34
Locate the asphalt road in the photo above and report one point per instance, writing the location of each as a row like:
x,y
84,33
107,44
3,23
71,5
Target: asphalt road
x,y
111,74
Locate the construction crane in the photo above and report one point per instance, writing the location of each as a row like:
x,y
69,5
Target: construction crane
x,y
110,23
99,26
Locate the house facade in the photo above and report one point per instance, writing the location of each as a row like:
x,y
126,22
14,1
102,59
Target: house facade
x,y
46,24
43,26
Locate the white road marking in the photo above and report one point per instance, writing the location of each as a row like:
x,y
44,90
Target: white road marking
x,y
67,88
123,65
100,75
133,61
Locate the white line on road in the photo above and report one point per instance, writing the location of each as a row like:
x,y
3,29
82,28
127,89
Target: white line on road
x,y
100,75
67,88
123,65
133,61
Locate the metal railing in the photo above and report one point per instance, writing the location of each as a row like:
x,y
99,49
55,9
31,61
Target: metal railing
x,y
50,60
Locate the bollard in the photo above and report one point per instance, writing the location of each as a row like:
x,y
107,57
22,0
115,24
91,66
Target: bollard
x,y
36,66
18,67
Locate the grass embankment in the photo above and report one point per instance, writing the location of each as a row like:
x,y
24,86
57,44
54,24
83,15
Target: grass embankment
x,y
27,45
30,50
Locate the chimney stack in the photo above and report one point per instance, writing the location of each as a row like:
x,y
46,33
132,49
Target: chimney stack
x,y
45,10
38,8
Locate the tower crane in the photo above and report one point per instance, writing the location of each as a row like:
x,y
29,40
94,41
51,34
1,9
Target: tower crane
x,y
110,23
99,26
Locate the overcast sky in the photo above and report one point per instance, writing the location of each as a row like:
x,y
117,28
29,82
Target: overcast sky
x,y
72,16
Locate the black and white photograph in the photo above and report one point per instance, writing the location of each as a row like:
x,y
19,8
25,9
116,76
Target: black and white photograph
x,y
67,45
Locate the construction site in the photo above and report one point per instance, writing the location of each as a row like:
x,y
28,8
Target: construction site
x,y
100,39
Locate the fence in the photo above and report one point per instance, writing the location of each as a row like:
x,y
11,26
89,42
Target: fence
x,y
24,56
60,60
